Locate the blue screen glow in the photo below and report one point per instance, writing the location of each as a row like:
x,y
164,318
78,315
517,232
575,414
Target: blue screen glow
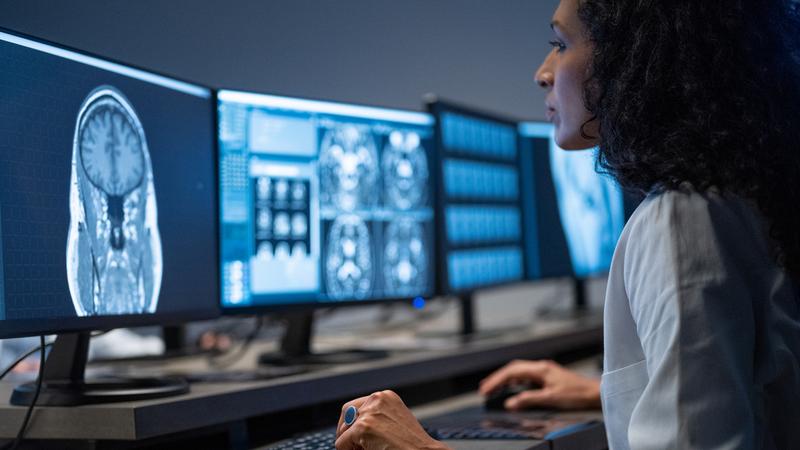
x,y
323,202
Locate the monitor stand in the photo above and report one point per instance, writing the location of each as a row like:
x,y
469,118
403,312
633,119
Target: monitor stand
x,y
296,347
64,382
467,331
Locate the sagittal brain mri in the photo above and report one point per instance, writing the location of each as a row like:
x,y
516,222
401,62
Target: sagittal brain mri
x,y
348,168
114,255
405,261
405,170
349,266
590,207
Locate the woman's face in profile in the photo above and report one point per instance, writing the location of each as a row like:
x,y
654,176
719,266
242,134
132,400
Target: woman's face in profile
x,y
562,75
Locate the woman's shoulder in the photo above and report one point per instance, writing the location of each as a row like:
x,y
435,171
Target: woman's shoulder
x,y
698,224
686,209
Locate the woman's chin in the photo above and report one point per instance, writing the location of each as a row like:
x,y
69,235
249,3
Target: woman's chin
x,y
568,139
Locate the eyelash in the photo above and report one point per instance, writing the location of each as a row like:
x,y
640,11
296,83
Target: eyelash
x,y
560,47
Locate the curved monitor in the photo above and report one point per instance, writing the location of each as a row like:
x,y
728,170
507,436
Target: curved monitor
x,y
107,194
323,202
574,214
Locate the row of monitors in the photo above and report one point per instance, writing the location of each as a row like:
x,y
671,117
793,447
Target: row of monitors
x,y
130,198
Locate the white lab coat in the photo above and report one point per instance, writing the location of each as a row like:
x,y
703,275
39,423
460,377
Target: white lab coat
x,y
702,331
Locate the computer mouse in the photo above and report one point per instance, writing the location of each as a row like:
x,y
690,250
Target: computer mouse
x,y
496,400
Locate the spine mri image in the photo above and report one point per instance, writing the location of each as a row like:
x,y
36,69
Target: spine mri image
x,y
114,254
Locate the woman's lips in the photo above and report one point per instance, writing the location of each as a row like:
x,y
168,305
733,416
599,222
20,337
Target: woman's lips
x,y
550,113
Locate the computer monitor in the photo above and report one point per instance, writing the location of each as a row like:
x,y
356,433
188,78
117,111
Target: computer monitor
x,y
481,239
107,201
576,213
573,214
322,204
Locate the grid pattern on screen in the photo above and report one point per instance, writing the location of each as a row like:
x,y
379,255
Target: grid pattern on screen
x,y
482,218
322,206
33,241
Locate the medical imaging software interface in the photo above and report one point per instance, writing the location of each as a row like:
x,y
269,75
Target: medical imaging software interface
x,y
106,188
483,221
323,201
577,213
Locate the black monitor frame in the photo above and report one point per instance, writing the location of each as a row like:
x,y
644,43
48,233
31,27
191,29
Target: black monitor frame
x,y
63,381
13,328
436,107
296,341
629,204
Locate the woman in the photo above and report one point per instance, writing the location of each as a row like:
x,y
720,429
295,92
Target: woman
x,y
694,102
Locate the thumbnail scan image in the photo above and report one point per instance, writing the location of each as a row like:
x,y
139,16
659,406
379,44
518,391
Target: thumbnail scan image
x,y
349,266
405,170
405,263
590,207
114,255
348,165
282,220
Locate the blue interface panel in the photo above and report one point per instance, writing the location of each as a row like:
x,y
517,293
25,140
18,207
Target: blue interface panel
x,y
323,202
483,241
107,193
576,213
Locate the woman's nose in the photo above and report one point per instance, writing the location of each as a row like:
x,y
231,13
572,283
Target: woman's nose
x,y
544,78
544,75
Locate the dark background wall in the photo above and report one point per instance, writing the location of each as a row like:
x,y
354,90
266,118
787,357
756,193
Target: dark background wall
x,y
379,52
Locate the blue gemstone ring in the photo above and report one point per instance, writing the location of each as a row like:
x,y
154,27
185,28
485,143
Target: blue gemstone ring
x,y
350,415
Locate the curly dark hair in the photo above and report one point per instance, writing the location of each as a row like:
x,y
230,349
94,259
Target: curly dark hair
x,y
705,92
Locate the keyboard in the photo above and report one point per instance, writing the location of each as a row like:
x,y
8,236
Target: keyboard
x,y
320,440
325,439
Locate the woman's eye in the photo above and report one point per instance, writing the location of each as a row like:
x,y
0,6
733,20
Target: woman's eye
x,y
559,46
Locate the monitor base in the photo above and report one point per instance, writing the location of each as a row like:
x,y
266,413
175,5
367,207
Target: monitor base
x,y
64,383
66,393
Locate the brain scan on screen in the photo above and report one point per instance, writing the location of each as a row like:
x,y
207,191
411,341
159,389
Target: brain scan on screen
x,y
336,204
348,265
405,170
114,254
348,165
405,259
590,206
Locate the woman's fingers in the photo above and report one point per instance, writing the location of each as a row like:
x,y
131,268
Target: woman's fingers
x,y
535,398
358,403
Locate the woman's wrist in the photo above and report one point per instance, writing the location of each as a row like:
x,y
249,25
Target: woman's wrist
x,y
593,396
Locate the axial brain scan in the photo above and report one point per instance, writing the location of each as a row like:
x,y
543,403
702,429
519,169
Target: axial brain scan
x,y
348,168
348,266
405,169
114,255
405,264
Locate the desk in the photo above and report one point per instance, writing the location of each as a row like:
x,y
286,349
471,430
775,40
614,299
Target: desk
x,y
214,404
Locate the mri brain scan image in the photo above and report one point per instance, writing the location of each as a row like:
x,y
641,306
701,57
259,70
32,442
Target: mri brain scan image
x,y
114,255
405,170
348,165
348,265
405,262
590,207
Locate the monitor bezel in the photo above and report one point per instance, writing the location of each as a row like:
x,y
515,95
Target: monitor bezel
x,y
310,305
14,328
435,106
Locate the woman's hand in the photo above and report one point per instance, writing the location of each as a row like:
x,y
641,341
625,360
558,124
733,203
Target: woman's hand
x,y
560,387
383,422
